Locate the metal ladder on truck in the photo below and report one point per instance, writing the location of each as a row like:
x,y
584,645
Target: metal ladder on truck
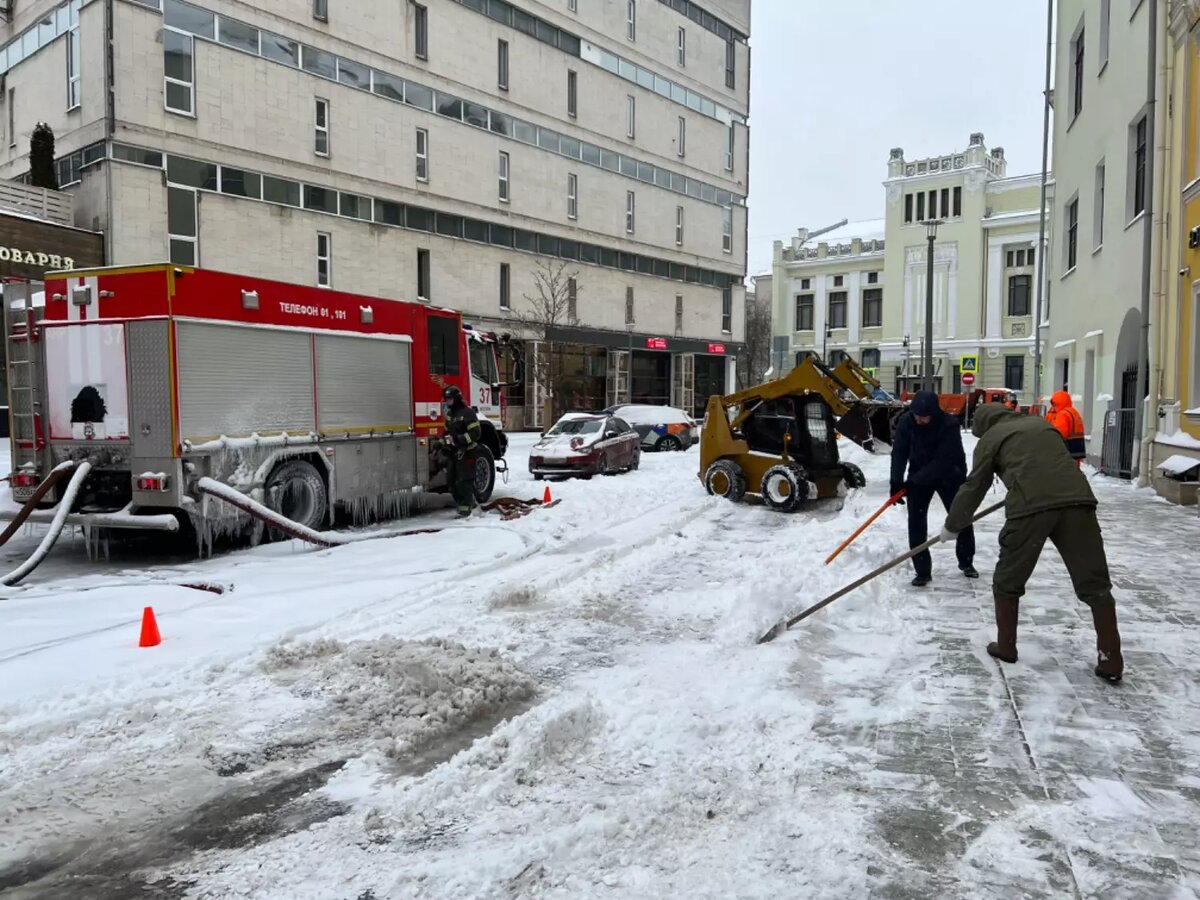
x,y
24,369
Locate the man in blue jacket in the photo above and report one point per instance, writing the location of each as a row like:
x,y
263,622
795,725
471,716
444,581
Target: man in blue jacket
x,y
929,444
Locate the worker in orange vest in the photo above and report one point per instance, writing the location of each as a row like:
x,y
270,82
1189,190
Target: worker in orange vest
x,y
1066,419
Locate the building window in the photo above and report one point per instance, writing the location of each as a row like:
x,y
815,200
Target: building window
x,y
872,309
502,65
957,202
908,209
423,281
872,278
572,300
421,31
182,231
839,280
1105,15
1018,295
679,226
1098,209
678,313
945,203
1139,167
729,139
630,116
837,309
73,83
870,358
727,229
730,64
727,310
805,284
572,196
321,10
1077,73
1072,233
321,127
502,172
1014,373
933,204
629,210
179,84
629,320
572,94
681,48
681,137
324,260
631,19
572,6
422,155
505,299
804,311
921,207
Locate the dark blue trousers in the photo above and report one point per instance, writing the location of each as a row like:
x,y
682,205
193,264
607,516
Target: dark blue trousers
x,y
918,499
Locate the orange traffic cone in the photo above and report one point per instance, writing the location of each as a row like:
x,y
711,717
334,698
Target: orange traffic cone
x,y
150,636
546,496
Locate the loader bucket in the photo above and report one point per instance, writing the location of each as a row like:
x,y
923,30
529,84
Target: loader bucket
x,y
856,425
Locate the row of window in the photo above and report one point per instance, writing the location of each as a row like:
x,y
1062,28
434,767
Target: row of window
x,y
839,281
917,205
324,273
1135,198
185,23
193,175
53,25
872,309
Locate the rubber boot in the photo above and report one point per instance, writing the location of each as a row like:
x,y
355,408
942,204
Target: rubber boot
x,y
1109,663
1004,648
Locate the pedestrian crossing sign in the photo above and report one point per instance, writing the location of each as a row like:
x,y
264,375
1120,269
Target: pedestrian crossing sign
x,y
969,363
872,371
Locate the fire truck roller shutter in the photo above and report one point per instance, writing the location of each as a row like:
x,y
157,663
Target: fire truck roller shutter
x,y
236,381
363,384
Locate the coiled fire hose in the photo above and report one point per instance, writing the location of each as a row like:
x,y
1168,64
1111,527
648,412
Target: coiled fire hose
x,y
56,525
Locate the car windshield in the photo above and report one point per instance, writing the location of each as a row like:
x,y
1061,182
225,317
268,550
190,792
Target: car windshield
x,y
576,426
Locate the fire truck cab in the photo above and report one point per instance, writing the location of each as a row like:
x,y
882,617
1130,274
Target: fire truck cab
x,y
325,406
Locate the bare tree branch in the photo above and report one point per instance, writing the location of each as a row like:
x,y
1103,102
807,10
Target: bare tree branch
x,y
756,358
551,306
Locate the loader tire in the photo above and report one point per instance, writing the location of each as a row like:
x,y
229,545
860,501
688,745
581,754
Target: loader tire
x,y
725,478
785,488
853,476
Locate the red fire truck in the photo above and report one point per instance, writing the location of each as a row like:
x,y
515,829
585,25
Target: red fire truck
x,y
322,405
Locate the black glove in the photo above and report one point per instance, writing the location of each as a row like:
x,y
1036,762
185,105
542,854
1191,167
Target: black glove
x,y
895,489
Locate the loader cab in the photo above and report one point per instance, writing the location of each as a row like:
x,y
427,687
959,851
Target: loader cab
x,y
807,421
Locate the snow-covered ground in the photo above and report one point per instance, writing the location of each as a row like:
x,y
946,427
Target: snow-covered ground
x,y
573,705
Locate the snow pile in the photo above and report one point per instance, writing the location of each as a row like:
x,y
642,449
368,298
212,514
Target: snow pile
x,y
399,694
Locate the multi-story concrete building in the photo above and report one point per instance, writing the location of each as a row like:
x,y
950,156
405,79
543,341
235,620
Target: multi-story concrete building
x,y
828,294
861,289
1103,147
433,150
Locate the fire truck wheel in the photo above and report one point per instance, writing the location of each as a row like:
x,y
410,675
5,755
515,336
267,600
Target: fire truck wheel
x,y
296,491
485,474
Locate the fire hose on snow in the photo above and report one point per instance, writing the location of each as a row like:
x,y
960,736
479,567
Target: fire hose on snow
x,y
57,474
56,526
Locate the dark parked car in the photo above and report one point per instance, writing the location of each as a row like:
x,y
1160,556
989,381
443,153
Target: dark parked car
x,y
585,444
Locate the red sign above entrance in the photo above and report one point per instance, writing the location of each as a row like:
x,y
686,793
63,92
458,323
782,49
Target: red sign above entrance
x,y
968,378
716,348
656,343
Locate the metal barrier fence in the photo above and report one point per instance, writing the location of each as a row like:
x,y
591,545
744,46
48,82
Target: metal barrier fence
x,y
1116,457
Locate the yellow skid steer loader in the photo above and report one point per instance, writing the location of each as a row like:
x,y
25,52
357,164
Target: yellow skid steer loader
x,y
778,440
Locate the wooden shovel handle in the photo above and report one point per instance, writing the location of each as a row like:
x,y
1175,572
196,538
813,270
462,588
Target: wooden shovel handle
x,y
864,526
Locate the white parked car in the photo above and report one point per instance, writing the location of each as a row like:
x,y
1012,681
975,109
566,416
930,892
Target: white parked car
x,y
660,427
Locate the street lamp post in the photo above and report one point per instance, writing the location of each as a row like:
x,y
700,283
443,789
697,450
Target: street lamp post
x,y
629,365
825,343
931,228
907,362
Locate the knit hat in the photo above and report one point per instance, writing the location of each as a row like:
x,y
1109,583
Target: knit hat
x,y
925,403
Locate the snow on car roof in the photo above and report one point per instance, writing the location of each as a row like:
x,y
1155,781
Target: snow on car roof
x,y
566,417
657,415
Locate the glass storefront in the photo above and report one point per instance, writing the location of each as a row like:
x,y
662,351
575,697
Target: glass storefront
x,y
710,380
651,377
580,374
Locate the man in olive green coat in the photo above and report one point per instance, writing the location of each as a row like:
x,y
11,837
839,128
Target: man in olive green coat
x,y
1048,497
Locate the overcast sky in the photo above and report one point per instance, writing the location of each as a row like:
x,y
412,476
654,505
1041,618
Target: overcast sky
x,y
835,84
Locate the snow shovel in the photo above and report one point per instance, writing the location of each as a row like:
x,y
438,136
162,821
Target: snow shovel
x,y
784,624
864,526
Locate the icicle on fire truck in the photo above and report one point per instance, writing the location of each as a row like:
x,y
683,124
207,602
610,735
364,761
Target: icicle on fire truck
x,y
321,405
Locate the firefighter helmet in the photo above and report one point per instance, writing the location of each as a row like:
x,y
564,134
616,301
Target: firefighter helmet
x,y
451,395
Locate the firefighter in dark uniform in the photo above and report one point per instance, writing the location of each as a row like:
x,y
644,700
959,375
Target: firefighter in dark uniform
x,y
462,439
